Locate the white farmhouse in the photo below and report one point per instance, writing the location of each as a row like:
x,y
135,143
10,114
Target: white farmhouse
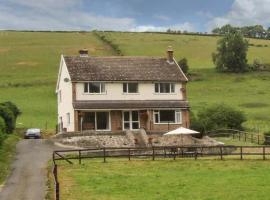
x,y
121,93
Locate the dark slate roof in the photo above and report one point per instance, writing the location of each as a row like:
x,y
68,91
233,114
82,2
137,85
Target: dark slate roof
x,y
118,104
122,69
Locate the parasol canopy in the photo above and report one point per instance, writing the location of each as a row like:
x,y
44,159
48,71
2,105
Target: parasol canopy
x,y
182,131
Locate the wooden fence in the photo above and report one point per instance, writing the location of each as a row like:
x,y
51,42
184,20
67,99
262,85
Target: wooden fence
x,y
244,136
168,152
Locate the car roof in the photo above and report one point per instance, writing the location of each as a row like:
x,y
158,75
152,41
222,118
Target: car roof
x,y
33,130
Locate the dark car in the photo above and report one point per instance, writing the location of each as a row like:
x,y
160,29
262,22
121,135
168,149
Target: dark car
x,y
32,133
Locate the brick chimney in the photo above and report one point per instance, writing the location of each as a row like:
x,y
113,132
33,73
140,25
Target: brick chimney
x,y
170,54
83,52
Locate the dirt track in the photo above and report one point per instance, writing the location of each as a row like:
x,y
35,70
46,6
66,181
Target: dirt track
x,y
28,177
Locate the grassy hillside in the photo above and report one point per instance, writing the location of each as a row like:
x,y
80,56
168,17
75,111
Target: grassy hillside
x,y
248,92
28,70
29,65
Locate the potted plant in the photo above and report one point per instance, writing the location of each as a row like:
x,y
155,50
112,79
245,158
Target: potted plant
x,y
267,137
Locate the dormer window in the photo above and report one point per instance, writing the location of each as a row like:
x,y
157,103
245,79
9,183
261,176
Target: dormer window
x,y
94,88
164,88
130,88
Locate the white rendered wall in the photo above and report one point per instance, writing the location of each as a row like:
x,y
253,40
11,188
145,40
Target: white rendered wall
x,y
65,106
114,91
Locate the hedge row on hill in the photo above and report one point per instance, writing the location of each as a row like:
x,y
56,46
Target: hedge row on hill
x,y
8,116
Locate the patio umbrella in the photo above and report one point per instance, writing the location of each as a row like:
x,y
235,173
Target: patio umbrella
x,y
181,131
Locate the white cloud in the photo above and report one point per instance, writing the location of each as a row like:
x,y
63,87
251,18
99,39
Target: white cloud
x,y
244,12
183,27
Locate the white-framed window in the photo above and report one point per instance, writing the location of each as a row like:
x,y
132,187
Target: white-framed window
x,y
68,118
167,116
94,88
130,88
164,88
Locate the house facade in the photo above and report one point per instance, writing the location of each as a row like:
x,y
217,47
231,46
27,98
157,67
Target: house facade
x,y
121,93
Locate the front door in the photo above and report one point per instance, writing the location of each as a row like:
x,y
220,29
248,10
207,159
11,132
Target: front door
x,y
131,120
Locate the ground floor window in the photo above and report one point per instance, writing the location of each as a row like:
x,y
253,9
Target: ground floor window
x,y
131,120
96,121
167,116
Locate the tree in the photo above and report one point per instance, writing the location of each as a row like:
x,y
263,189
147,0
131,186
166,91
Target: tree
x,y
220,116
2,130
183,63
8,117
231,55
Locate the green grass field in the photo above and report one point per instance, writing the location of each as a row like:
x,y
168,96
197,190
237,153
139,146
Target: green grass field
x,y
29,65
165,179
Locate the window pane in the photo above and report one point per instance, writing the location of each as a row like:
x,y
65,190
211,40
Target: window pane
x,y
178,116
156,118
167,116
172,87
135,116
164,87
102,120
89,121
126,116
85,87
102,87
125,87
133,87
126,125
94,87
135,125
156,87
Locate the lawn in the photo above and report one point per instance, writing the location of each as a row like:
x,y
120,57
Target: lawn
x,y
248,92
165,179
29,64
7,150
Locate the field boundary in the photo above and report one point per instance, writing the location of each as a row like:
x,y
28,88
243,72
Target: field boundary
x,y
153,152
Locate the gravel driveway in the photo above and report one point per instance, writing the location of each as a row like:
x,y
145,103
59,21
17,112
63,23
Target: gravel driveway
x,y
28,177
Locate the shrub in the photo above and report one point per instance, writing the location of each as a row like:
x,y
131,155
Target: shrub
x,y
195,123
221,116
183,63
2,130
267,133
8,117
16,111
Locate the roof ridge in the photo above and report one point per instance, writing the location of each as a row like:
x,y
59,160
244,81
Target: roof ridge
x,y
78,56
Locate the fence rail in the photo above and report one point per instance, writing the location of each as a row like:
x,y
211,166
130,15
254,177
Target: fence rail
x,y
245,136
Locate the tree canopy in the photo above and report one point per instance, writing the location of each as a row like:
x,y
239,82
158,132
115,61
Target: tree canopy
x,y
231,55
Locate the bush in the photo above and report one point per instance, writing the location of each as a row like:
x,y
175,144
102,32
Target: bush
x,y
221,116
2,130
267,133
8,117
16,111
195,123
183,63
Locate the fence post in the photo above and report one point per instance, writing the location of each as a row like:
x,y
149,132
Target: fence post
x,y
174,153
258,139
221,153
153,153
241,153
239,136
196,153
251,137
129,154
263,153
165,155
245,136
80,159
104,154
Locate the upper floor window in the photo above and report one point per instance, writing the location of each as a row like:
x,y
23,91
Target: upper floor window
x,y
94,88
130,88
164,88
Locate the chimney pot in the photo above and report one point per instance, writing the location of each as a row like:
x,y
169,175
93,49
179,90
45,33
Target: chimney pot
x,y
170,54
83,52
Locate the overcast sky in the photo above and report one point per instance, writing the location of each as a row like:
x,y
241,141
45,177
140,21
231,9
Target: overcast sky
x,y
131,15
